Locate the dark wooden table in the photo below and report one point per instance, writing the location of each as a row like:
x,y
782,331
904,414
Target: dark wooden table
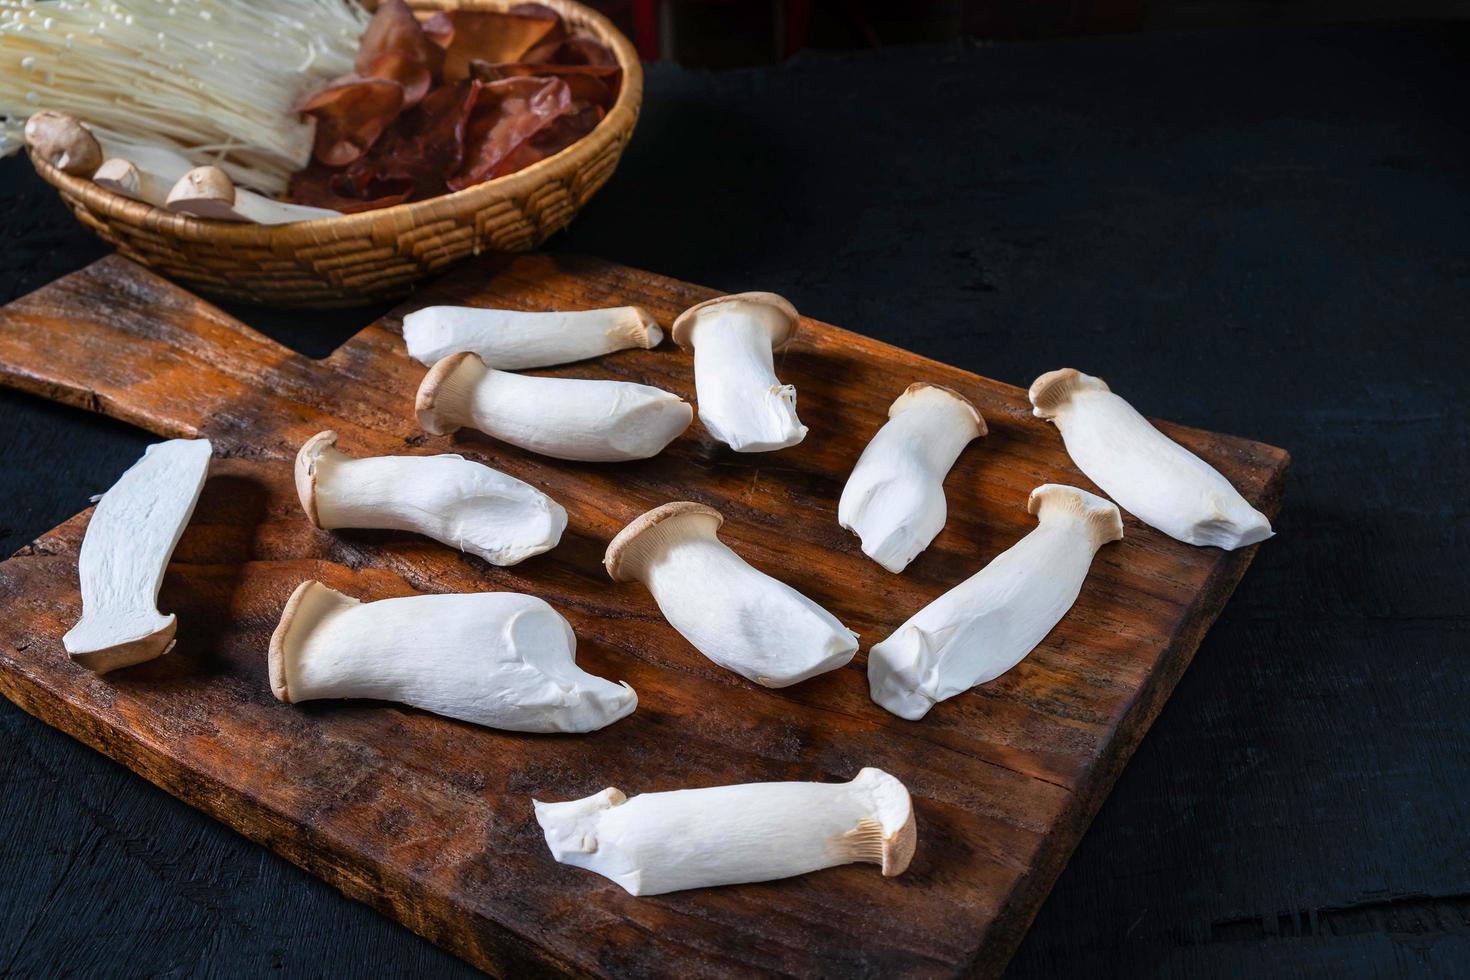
x,y
1258,233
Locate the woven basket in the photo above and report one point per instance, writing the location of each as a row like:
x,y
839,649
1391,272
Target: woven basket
x,y
374,255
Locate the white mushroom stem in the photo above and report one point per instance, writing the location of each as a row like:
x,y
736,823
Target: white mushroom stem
x,y
1152,477
451,499
497,659
725,835
741,402
741,618
512,340
126,549
565,418
208,192
894,500
988,623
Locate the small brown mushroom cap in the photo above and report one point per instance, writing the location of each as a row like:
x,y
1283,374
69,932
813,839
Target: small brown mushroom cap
x,y
62,141
205,192
684,325
118,175
920,386
439,403
305,471
625,552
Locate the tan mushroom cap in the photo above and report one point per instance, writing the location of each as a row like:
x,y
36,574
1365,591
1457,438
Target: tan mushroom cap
x,y
62,141
118,175
1054,389
898,849
685,322
276,654
919,386
130,652
305,471
1104,520
618,548
308,604
430,404
207,192
649,333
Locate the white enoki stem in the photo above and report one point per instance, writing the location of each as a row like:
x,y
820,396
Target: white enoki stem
x,y
211,79
498,659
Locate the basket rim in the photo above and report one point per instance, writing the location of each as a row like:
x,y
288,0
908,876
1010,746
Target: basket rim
x,y
619,120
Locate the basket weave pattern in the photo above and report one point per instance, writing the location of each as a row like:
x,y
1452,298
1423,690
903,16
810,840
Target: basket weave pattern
x,y
379,254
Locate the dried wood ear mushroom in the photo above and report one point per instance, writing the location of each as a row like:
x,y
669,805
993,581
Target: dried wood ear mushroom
x,y
468,96
742,619
1150,475
695,838
498,659
128,542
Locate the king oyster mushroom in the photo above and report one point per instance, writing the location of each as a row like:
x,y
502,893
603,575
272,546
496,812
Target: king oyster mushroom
x,y
988,623
741,402
656,843
512,340
128,542
565,418
498,659
894,500
1150,475
742,619
451,499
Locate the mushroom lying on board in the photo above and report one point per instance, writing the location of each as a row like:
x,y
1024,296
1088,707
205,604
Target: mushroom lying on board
x,y
498,659
741,402
512,340
453,500
740,618
894,500
208,192
565,418
126,548
1151,476
725,835
988,623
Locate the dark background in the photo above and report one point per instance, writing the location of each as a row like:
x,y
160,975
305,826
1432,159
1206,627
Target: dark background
x,y
1258,231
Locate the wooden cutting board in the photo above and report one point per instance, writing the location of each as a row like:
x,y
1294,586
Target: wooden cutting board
x,y
429,820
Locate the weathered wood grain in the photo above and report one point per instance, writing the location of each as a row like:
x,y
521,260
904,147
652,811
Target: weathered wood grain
x,y
428,819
